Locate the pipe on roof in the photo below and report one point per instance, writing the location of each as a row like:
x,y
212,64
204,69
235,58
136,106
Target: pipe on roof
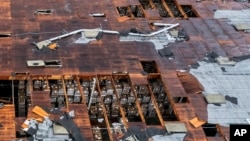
x,y
156,32
92,92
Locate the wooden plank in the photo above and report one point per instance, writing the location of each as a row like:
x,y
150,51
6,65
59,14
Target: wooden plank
x,y
168,9
137,104
7,121
82,120
65,94
104,111
156,106
180,9
80,89
120,107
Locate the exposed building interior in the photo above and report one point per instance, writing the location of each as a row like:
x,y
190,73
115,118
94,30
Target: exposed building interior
x,y
123,70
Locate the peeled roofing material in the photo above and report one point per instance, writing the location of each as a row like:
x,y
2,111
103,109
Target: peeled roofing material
x,y
235,16
172,137
234,83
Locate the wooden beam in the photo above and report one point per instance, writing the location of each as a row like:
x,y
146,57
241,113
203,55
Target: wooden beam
x,y
138,104
120,107
152,5
180,9
156,106
80,89
65,94
168,9
104,110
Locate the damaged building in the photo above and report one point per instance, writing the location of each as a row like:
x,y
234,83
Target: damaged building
x,y
123,70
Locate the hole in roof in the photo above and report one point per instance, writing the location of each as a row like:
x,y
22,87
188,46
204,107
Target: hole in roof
x,y
123,11
210,130
189,10
173,8
180,99
137,11
145,4
149,66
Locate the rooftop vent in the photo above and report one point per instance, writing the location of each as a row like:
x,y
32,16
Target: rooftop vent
x,y
4,35
43,11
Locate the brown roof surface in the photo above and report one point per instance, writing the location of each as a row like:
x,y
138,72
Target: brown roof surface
x,y
7,122
109,54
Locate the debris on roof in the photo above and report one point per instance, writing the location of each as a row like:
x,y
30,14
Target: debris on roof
x,y
215,98
232,84
51,129
233,100
225,61
39,111
242,26
166,52
123,18
196,122
175,127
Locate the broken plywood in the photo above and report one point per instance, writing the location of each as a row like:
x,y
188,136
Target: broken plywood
x,y
196,122
39,111
122,19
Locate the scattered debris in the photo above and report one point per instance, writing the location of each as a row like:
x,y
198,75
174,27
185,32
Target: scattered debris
x,y
39,111
175,127
223,69
215,98
46,63
233,100
195,65
196,122
211,57
166,52
123,18
46,129
53,46
225,61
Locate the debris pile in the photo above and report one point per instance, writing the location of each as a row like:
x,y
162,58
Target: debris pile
x,y
47,127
